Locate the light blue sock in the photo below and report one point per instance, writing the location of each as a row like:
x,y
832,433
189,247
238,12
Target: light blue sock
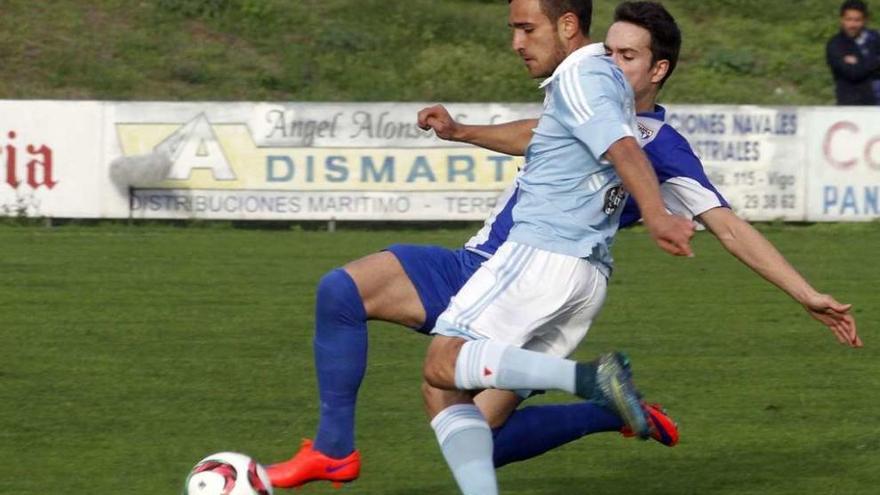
x,y
466,441
490,364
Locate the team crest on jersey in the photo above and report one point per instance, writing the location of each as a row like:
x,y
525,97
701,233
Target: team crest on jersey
x,y
614,197
645,131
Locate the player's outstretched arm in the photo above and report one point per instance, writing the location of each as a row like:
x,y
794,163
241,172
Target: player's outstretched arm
x,y
672,233
756,252
511,138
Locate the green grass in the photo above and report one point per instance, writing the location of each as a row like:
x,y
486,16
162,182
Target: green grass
x,y
128,353
735,51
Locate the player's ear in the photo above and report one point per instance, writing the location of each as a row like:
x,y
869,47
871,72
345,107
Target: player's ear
x,y
659,71
568,26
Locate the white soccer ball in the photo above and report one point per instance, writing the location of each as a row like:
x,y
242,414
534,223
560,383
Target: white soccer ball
x,y
227,473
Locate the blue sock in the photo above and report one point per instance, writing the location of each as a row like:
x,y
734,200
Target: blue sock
x,y
340,360
531,431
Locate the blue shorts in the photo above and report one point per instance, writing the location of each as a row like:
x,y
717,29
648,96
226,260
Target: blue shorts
x,y
437,273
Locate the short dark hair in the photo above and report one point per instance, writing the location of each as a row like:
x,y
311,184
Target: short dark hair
x,y
854,5
582,9
665,34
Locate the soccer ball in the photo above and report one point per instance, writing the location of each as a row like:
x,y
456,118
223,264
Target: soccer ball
x,y
227,473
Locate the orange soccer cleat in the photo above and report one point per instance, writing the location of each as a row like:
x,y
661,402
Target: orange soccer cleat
x,y
310,465
663,428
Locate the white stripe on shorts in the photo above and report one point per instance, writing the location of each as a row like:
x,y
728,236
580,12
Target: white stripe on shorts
x,y
508,274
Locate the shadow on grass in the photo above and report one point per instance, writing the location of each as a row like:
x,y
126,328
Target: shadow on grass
x,y
737,471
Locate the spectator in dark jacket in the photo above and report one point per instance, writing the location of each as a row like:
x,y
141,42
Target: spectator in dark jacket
x,y
854,57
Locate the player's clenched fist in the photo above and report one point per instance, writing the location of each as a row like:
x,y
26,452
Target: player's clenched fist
x,y
438,118
672,233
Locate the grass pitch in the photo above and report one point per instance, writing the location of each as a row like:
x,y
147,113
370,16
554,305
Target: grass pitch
x,y
128,353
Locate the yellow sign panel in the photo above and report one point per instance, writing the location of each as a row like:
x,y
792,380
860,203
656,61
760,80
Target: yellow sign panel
x,y
206,156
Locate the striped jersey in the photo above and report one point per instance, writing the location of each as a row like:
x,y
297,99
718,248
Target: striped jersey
x,y
569,197
685,188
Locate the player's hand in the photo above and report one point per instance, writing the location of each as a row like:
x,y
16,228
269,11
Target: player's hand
x,y
835,316
672,233
437,118
850,59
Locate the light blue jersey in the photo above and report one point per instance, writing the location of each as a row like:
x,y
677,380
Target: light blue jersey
x,y
569,197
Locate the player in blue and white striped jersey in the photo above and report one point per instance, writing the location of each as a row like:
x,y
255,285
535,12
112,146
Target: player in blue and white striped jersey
x,y
411,285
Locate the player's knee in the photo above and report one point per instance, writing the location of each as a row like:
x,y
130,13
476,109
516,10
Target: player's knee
x,y
338,298
429,396
439,368
431,373
386,290
427,389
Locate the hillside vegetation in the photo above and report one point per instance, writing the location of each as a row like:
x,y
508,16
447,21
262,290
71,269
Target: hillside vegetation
x,y
735,51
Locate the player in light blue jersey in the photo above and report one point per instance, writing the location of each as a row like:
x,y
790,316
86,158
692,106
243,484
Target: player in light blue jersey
x,y
641,38
524,310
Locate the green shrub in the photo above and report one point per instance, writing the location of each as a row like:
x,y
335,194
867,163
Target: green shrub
x,y
196,8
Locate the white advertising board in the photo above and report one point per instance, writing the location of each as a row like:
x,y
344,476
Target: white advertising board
x,y
844,175
50,158
755,156
353,161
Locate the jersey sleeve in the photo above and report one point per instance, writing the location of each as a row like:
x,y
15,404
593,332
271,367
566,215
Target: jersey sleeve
x,y
686,197
682,196
685,187
592,104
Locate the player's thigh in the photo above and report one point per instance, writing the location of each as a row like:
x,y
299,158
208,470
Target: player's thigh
x,y
387,292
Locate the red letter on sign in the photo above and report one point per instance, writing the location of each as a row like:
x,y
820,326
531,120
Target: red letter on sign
x,y
840,126
869,153
46,164
11,177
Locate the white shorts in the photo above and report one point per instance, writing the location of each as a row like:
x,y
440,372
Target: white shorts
x,y
527,297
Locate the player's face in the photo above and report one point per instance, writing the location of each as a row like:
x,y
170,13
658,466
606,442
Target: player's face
x,y
852,22
630,47
535,39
